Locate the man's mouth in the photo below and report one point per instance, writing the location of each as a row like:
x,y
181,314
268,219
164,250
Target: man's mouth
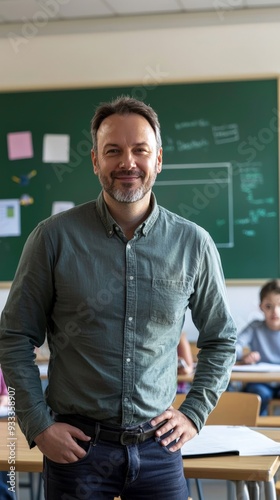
x,y
126,175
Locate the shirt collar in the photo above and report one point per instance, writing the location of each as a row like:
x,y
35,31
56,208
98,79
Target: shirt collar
x,y
110,223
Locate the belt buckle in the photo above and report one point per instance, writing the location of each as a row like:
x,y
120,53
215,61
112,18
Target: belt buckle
x,y
129,437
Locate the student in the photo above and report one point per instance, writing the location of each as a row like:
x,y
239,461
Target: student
x,y
111,280
262,337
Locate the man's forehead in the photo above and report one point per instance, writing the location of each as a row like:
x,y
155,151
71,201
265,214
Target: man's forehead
x,y
129,125
117,118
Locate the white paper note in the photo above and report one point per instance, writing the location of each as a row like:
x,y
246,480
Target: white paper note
x,y
56,148
9,218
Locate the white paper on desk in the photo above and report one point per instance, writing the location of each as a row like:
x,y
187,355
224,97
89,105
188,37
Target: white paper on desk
x,y
219,439
258,367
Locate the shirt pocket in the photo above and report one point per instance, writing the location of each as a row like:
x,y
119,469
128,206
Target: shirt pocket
x,y
169,300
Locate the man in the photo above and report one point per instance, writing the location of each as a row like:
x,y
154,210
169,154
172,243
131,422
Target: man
x,y
111,281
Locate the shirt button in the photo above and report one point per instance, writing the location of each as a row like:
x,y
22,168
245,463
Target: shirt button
x,y
130,318
131,277
128,360
128,246
126,400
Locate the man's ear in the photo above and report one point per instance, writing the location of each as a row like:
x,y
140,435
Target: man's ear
x,y
159,161
94,162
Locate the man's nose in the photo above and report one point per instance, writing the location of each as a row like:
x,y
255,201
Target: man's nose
x,y
127,162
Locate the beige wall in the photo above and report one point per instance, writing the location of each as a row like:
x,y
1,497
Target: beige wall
x,y
142,56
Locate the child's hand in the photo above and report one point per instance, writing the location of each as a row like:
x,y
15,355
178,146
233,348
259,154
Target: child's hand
x,y
251,358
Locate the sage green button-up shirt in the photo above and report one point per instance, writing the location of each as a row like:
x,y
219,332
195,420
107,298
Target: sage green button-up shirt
x,y
113,310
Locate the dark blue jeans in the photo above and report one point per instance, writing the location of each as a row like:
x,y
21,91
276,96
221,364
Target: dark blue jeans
x,y
5,494
146,471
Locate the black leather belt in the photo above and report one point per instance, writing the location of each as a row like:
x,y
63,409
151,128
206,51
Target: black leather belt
x,y
106,433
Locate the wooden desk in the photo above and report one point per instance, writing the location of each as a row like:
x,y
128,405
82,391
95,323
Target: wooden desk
x,y
26,460
262,377
269,421
243,377
271,433
239,470
235,468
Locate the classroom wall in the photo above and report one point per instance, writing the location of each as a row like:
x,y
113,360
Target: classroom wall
x,y
146,53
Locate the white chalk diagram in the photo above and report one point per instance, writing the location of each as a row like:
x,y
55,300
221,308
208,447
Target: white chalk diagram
x,y
201,188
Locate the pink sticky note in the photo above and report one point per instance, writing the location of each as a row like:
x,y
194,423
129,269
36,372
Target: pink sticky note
x,y
19,145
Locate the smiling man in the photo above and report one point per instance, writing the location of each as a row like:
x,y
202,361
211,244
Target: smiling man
x,y
110,281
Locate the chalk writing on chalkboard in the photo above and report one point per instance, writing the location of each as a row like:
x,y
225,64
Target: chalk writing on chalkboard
x,y
193,188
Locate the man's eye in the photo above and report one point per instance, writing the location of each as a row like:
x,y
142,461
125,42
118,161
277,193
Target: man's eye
x,y
141,150
112,151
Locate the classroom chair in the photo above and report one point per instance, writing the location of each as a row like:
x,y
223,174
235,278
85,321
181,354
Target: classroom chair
x,y
273,403
233,408
236,408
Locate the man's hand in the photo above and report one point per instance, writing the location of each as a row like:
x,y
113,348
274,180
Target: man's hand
x,y
58,443
183,428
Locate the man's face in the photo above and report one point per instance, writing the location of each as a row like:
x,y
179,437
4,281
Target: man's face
x,y
127,160
270,306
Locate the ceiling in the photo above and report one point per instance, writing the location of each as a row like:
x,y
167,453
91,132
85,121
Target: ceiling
x,y
22,11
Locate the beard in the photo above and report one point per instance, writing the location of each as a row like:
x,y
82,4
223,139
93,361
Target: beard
x,y
126,193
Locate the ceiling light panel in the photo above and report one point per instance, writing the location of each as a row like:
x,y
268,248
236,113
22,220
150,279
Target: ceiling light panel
x,y
130,7
213,5
85,8
19,10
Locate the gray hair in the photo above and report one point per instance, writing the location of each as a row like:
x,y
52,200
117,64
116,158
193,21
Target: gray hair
x,y
124,105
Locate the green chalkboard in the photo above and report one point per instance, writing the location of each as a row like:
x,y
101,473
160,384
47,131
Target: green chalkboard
x,y
220,143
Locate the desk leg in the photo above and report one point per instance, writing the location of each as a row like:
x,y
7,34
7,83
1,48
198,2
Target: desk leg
x,y
17,486
269,490
241,491
231,490
254,490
